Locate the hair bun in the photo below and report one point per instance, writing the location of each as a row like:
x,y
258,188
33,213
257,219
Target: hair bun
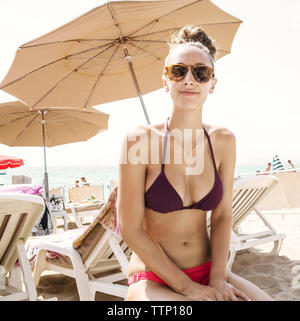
x,y
194,34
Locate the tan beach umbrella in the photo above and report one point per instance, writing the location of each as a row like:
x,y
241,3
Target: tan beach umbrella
x,y
47,127
113,52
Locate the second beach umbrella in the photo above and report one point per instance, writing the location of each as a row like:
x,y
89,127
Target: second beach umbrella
x,y
115,51
10,162
47,127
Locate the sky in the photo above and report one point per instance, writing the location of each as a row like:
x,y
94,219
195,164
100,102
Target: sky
x,y
256,97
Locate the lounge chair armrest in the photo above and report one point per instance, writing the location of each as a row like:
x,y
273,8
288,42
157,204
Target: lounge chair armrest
x,y
65,249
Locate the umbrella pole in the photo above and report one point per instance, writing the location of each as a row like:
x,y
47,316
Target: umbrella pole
x,y
49,220
45,160
128,58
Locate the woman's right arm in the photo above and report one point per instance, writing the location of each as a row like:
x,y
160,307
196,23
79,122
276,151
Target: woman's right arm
x,y
131,208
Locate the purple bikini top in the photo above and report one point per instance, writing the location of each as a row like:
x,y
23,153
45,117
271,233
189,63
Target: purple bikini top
x,y
162,197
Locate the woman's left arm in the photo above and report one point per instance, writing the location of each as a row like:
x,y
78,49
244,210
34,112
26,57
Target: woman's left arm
x,y
222,215
221,219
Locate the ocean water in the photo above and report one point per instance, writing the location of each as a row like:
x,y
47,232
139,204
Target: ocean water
x,y
66,176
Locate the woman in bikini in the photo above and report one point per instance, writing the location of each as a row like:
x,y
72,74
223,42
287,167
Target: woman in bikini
x,y
162,209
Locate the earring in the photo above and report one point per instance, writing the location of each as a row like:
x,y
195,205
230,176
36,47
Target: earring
x,y
165,86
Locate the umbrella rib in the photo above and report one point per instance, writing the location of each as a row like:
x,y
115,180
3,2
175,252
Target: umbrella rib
x,y
47,129
99,76
145,51
112,40
16,119
72,129
113,16
157,19
150,43
27,126
64,41
73,118
173,29
152,33
128,58
74,70
53,62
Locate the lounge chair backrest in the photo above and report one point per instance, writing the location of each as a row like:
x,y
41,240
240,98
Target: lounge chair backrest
x,y
82,193
57,191
18,215
247,193
93,243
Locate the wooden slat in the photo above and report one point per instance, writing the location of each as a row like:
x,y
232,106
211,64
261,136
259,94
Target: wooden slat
x,y
249,203
240,202
245,206
9,258
7,234
3,222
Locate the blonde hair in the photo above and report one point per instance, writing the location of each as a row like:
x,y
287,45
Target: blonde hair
x,y
191,35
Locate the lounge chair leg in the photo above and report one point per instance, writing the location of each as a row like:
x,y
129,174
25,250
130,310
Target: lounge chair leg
x,y
92,292
277,247
39,266
65,221
27,275
82,282
82,279
54,223
76,218
15,278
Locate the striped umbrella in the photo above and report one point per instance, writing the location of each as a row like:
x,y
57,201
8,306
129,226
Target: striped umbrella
x,y
276,164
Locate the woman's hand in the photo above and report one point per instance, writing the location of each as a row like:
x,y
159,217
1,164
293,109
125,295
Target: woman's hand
x,y
227,292
198,292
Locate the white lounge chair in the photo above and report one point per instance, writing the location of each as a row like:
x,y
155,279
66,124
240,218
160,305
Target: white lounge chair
x,y
247,194
92,251
18,214
79,209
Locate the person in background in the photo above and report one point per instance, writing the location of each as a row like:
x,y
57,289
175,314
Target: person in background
x,y
257,172
84,182
268,168
291,164
77,183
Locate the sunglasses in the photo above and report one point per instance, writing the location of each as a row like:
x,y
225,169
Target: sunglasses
x,y
200,72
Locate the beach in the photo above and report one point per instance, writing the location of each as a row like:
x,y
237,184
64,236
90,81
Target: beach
x,y
77,83
276,275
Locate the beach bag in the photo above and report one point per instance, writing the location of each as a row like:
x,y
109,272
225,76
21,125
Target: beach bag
x,y
56,203
43,225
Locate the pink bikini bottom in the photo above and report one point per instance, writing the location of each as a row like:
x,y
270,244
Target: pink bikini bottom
x,y
199,274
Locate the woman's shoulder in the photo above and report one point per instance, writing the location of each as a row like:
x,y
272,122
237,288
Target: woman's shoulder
x,y
220,135
223,142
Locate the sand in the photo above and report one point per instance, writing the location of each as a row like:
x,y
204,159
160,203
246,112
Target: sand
x,y
279,276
